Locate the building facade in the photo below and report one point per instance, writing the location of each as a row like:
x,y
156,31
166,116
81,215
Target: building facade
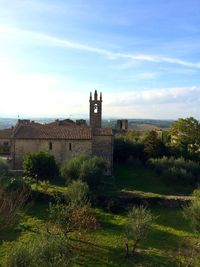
x,y
61,138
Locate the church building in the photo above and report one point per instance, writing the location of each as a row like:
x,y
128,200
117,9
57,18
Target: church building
x,y
61,138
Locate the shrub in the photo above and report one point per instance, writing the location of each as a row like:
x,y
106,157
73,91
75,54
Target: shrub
x,y
3,168
124,148
42,250
138,226
40,166
92,171
13,196
175,175
77,194
89,170
70,170
74,213
192,211
185,172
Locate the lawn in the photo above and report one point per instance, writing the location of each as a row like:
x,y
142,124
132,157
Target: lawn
x,y
106,245
146,180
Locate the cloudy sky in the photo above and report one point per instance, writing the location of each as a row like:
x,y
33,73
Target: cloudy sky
x,y
144,56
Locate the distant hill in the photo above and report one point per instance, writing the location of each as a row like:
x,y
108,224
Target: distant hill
x,y
147,124
133,124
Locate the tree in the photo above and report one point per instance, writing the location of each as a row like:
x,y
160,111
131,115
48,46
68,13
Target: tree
x,y
89,170
185,135
126,147
153,146
138,226
40,166
74,212
13,196
40,250
192,211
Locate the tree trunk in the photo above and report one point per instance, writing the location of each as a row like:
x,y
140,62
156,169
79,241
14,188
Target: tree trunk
x,y
134,247
127,250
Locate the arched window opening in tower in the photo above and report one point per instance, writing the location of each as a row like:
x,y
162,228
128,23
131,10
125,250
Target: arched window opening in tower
x,y
95,108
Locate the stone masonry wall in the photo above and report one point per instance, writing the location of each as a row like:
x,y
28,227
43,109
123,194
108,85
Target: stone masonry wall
x,y
60,149
103,147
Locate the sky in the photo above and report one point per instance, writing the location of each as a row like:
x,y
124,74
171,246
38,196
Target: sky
x,y
144,56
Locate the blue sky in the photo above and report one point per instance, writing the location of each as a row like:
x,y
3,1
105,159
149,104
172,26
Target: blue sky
x,y
143,55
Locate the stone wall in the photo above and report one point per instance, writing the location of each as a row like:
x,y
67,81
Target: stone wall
x,y
103,147
61,149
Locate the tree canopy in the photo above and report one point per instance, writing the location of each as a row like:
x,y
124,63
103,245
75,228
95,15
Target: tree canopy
x,y
185,135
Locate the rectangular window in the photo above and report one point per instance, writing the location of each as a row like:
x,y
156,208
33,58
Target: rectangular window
x,y
5,143
70,146
50,146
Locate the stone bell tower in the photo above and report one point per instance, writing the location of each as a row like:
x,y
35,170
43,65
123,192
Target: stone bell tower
x,y
95,110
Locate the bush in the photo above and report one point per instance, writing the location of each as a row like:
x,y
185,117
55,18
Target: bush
x,y
185,172
13,195
192,211
92,171
175,175
3,168
77,194
42,250
40,166
89,170
74,213
138,226
125,148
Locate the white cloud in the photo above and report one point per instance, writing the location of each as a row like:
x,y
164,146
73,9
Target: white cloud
x,y
155,96
44,95
38,38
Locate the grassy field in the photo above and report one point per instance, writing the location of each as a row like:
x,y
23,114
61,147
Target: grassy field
x,y
106,245
146,180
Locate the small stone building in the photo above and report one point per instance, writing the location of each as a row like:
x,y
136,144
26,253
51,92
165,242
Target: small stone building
x,y
122,125
61,138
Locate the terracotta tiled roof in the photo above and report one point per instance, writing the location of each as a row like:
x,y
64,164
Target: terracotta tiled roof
x,y
6,133
103,131
53,131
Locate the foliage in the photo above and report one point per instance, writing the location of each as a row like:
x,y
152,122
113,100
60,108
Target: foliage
x,y
89,170
138,226
192,211
13,196
70,169
77,194
178,170
3,168
125,147
185,135
93,171
41,250
74,213
40,166
153,146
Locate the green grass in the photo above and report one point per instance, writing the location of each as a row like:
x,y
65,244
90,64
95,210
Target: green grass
x,y
105,246
146,180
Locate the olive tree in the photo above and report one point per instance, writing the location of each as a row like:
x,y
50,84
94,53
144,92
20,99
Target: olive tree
x,y
41,166
138,225
74,212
